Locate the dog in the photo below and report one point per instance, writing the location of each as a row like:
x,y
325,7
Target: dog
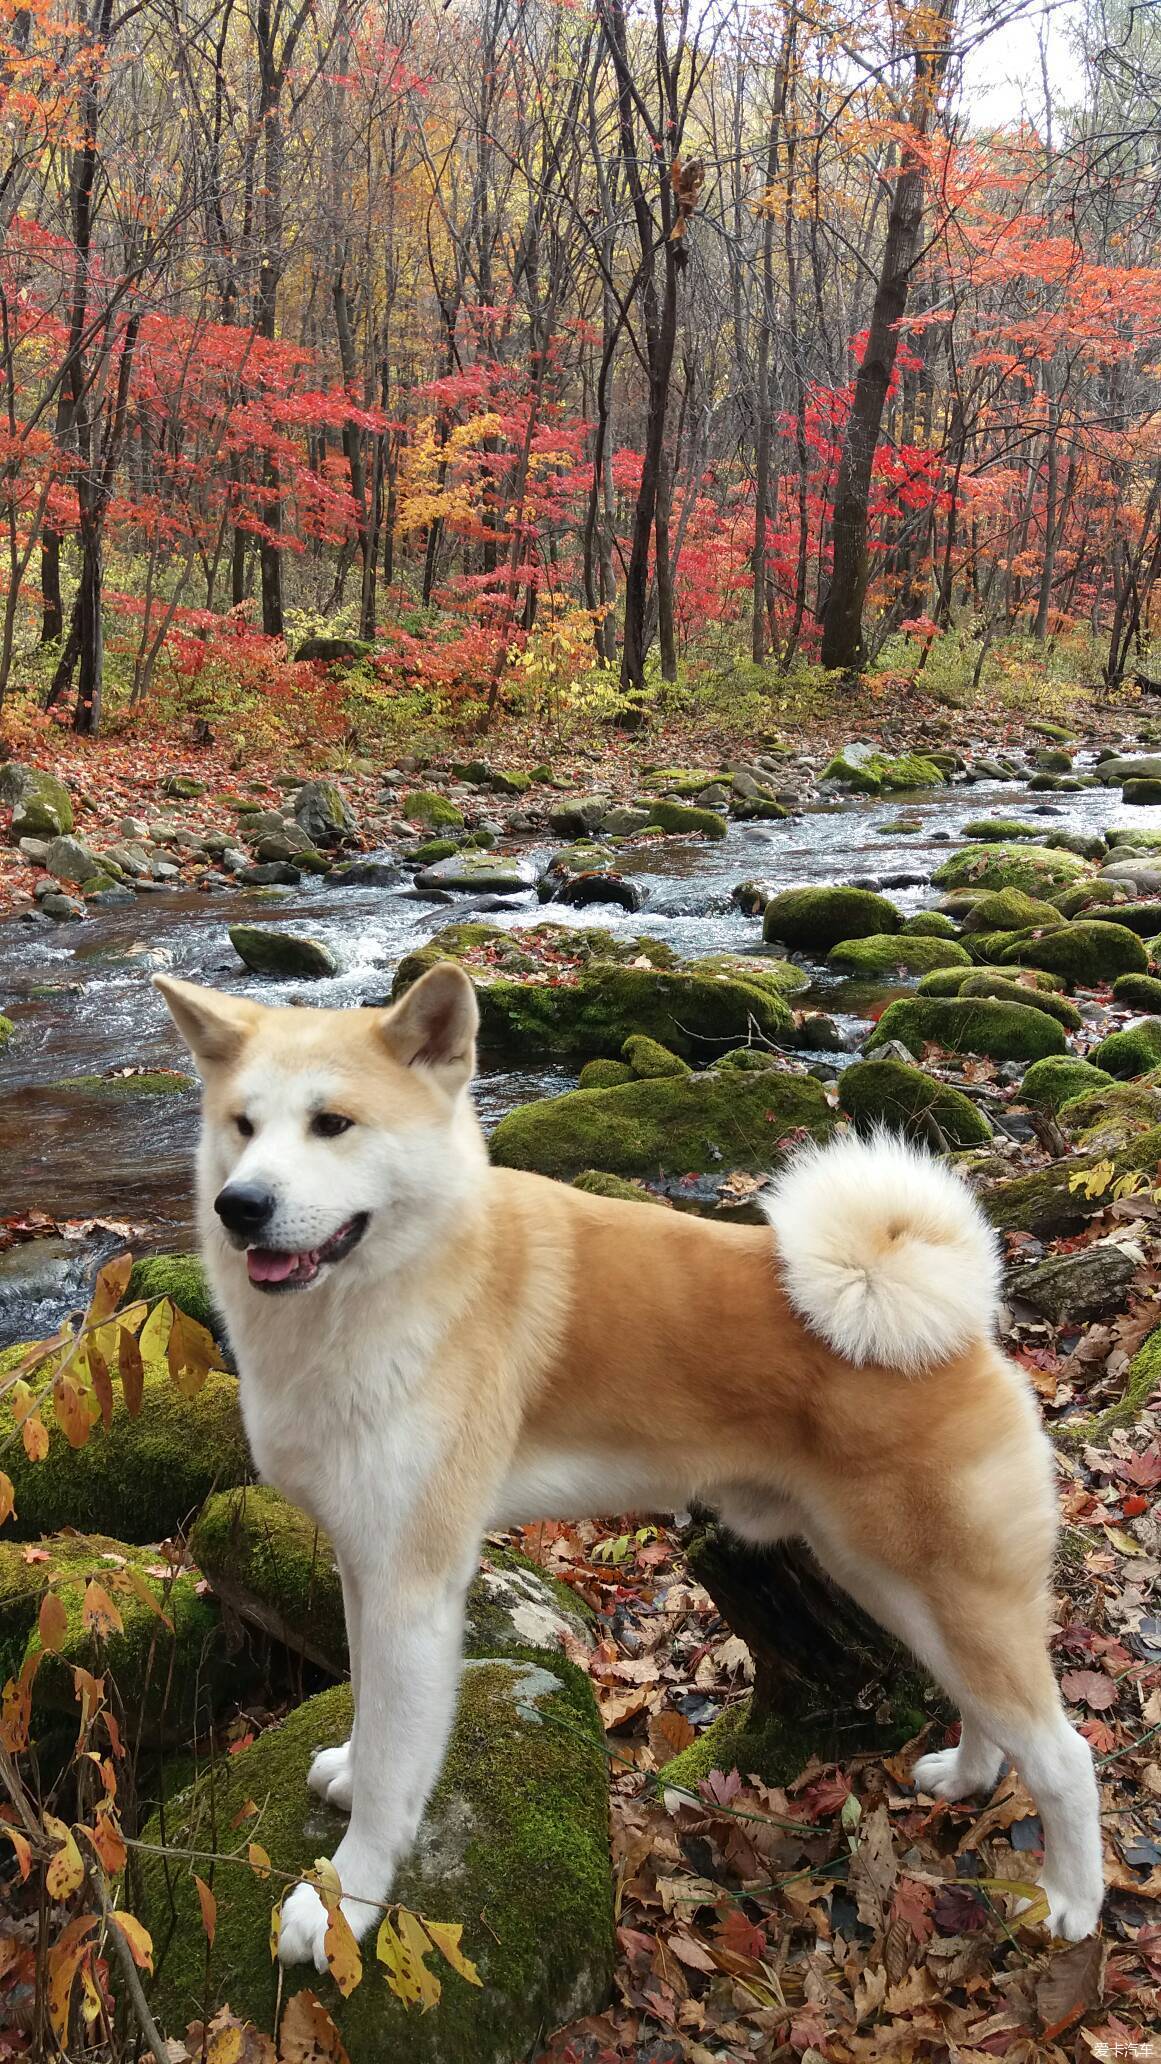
x,y
429,1347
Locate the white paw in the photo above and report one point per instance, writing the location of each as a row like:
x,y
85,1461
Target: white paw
x,y
340,1790
943,1776
329,1765
302,1936
1073,1914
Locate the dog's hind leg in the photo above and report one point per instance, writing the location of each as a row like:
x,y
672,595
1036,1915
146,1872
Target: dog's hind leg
x,y
983,1638
957,1773
331,1772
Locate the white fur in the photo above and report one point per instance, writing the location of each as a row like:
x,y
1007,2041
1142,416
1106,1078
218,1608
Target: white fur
x,y
884,1252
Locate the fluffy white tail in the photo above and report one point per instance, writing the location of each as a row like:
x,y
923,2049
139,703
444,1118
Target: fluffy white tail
x,y
884,1251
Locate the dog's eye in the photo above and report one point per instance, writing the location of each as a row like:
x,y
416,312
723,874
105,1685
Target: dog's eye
x,y
245,1126
329,1124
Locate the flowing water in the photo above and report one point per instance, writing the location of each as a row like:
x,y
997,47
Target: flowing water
x,y
81,999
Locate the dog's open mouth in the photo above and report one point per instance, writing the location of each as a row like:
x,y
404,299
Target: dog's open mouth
x,y
275,1268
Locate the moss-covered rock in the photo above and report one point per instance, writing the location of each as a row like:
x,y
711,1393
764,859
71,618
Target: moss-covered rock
x,y
1085,953
773,1746
1131,1052
930,924
597,1183
994,831
1148,791
1060,1077
167,1668
781,978
982,982
1113,1116
976,1025
890,1093
649,1061
872,773
291,956
1143,917
1092,895
701,1124
679,781
158,1082
1138,992
7,1028
752,1060
899,953
143,1478
820,917
430,851
1142,1378
1009,910
181,1278
1053,1199
681,820
272,1566
41,805
514,1845
603,1074
943,981
1034,869
427,806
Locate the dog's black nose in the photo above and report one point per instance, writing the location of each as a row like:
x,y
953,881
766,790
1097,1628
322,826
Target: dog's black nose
x,y
244,1207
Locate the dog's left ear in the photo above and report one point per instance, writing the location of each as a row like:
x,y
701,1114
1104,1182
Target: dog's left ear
x,y
215,1027
435,1026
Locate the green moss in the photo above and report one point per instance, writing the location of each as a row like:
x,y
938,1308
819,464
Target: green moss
x,y
431,850
752,1060
998,830
648,1060
890,1093
604,1074
1142,918
1141,1380
162,1082
289,955
1050,1200
887,954
911,770
1057,1079
679,781
943,981
930,924
682,820
596,1183
180,1277
514,1845
1139,992
820,917
1010,910
585,857
140,1479
776,1747
1035,869
1113,1116
692,1014
427,806
1093,895
1146,791
1051,760
1004,1031
982,982
1086,952
1131,1052
7,1028
704,1123
780,978
862,775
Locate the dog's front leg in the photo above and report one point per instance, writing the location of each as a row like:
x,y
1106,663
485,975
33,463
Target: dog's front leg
x,y
331,1774
410,1641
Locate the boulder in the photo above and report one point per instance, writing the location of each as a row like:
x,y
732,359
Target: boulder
x,y
1009,910
1122,767
41,805
514,1846
766,970
329,651
1142,917
602,1074
322,812
930,924
1131,1052
579,818
1060,1077
290,956
997,830
649,1061
1071,1289
821,917
1084,953
1035,869
1113,1116
888,954
702,1124
181,1278
625,820
145,1477
69,860
906,1100
681,820
467,873
167,1664
1139,992
1142,792
427,806
580,890
983,982
365,874
979,1025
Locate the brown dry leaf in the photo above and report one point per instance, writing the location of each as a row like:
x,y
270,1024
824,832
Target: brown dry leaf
x,y
669,1734
1073,1982
1011,1803
874,1870
308,2035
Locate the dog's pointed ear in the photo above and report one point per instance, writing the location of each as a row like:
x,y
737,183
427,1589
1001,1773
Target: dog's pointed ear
x,y
435,1026
215,1027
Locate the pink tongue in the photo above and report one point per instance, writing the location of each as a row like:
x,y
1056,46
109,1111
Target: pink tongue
x,y
267,1267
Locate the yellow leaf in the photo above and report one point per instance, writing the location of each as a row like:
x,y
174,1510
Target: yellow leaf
x,y
308,2035
209,1907
130,1579
416,1940
275,1931
226,2046
446,1937
131,1370
155,1332
23,1850
109,1288
71,1414
98,1612
7,1498
53,1622
66,1869
326,1877
342,1952
259,1861
64,1959
34,1434
399,1964
138,1937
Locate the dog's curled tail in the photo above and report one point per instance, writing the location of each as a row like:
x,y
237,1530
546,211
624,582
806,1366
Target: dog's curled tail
x,y
884,1252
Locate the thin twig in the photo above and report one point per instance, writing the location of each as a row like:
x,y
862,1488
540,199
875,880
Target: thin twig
x,y
129,1972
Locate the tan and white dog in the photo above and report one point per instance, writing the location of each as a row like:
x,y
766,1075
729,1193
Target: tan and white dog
x,y
473,1347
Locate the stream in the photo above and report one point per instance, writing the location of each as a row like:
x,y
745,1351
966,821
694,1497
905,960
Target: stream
x,y
82,1004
